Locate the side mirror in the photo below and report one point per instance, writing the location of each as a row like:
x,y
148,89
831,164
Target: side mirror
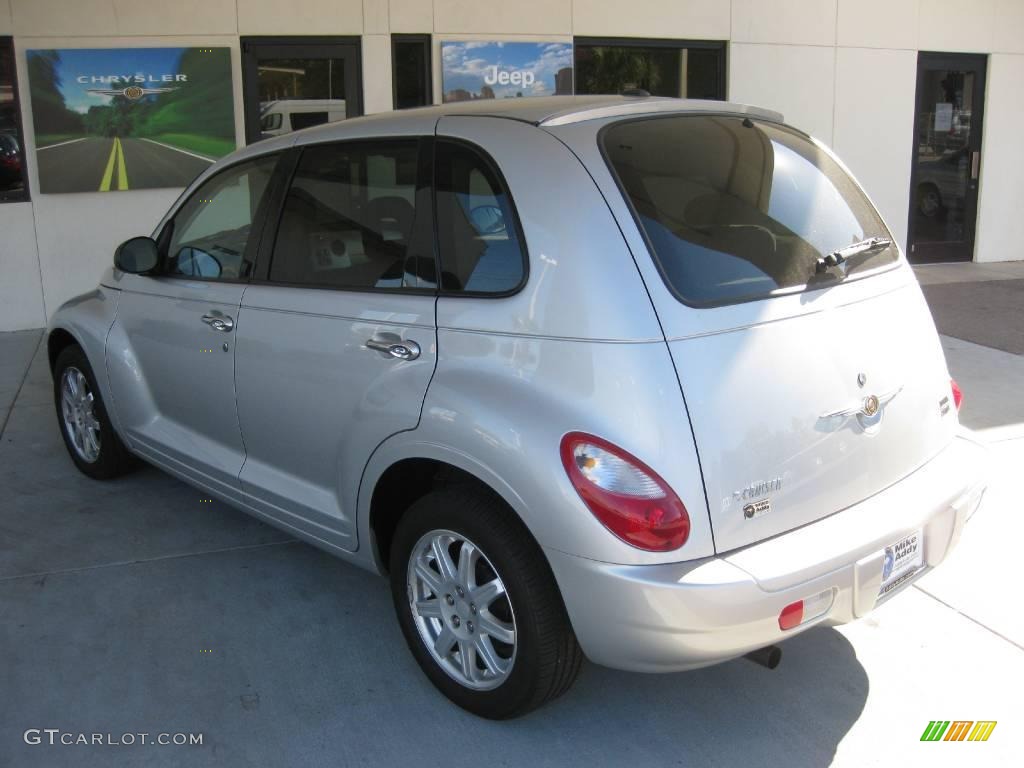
x,y
137,255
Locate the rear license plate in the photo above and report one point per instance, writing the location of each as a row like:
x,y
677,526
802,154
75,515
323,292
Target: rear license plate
x,y
902,560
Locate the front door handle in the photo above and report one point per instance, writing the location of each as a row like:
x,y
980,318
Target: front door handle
x,y
219,321
403,350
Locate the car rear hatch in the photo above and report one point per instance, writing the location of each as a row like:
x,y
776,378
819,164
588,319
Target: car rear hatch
x,y
809,387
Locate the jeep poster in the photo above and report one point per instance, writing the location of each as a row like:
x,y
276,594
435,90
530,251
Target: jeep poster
x,y
129,118
500,70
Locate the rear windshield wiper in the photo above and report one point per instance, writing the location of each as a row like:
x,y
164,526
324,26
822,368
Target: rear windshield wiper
x,y
840,255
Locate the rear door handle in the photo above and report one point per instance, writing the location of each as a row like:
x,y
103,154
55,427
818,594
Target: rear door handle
x,y
403,350
219,321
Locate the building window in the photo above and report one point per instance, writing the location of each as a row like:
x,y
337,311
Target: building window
x,y
410,64
12,147
290,83
682,68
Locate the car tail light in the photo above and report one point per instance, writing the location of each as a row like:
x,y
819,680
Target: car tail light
x,y
808,609
627,496
958,396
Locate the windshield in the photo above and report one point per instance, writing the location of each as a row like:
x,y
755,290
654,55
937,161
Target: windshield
x,y
735,209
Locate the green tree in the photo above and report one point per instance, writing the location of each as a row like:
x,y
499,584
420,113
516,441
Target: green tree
x,y
611,69
49,112
203,105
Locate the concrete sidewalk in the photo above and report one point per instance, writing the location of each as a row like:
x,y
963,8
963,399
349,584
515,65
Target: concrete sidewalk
x,y
134,606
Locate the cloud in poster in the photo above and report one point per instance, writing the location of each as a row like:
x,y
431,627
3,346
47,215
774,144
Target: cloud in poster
x,y
465,65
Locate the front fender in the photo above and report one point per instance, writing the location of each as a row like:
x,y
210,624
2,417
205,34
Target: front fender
x,y
88,318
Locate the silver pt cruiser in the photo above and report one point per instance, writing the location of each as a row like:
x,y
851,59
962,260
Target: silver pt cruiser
x,y
637,379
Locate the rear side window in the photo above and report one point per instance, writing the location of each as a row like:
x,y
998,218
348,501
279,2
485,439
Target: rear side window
x,y
349,218
735,209
478,234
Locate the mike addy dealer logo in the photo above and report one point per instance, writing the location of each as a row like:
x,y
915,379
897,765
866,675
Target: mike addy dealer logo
x,y
958,730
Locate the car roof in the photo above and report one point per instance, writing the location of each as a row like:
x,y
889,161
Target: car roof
x,y
542,111
560,110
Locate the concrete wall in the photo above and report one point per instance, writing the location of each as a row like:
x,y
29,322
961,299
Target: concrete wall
x,y
842,69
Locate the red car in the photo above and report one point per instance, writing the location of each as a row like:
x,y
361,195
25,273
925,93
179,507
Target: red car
x,y
10,163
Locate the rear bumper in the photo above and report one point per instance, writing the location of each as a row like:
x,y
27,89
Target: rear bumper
x,y
663,618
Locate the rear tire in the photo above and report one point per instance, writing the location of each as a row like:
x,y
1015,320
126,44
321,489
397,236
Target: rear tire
x,y
489,553
84,423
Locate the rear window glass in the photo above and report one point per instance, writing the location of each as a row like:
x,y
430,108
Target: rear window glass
x,y
735,209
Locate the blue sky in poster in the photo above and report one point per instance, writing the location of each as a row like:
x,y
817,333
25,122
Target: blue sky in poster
x,y
104,62
466,64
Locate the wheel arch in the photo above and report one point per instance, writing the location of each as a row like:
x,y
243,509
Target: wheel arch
x,y
402,471
57,341
86,321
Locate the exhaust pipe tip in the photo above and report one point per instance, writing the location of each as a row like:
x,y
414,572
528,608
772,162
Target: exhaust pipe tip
x,y
768,657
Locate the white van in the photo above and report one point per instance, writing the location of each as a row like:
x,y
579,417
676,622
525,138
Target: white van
x,y
280,117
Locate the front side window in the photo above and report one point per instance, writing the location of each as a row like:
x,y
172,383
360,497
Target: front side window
x,y
12,158
211,234
478,235
735,209
349,219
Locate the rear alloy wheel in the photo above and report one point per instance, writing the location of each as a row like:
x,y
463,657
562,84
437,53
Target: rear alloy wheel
x,y
478,604
461,609
84,424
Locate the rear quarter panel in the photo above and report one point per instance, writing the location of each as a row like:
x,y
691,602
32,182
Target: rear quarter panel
x,y
498,407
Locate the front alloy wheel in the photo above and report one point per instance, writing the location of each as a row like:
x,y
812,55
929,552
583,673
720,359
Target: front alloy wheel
x,y
461,610
77,409
84,423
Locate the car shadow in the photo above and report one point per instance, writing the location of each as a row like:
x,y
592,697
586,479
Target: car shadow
x,y
737,713
281,654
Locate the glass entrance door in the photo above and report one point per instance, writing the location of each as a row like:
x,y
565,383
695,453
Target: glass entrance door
x,y
293,83
947,156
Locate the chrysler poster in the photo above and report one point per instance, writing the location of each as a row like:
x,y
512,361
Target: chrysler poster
x,y
129,118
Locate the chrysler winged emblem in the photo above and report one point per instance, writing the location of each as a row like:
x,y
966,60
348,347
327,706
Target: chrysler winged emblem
x,y
868,410
132,92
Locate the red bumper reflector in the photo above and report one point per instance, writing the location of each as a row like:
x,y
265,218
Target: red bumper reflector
x,y
958,396
792,615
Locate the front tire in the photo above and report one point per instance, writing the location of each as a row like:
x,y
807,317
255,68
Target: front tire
x,y
93,445
478,604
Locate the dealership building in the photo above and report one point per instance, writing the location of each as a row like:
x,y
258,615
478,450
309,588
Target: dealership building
x,y
109,107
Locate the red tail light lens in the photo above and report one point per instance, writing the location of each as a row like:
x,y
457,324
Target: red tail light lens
x,y
958,396
627,496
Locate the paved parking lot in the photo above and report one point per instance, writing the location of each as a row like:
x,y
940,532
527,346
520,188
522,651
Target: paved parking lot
x,y
136,606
